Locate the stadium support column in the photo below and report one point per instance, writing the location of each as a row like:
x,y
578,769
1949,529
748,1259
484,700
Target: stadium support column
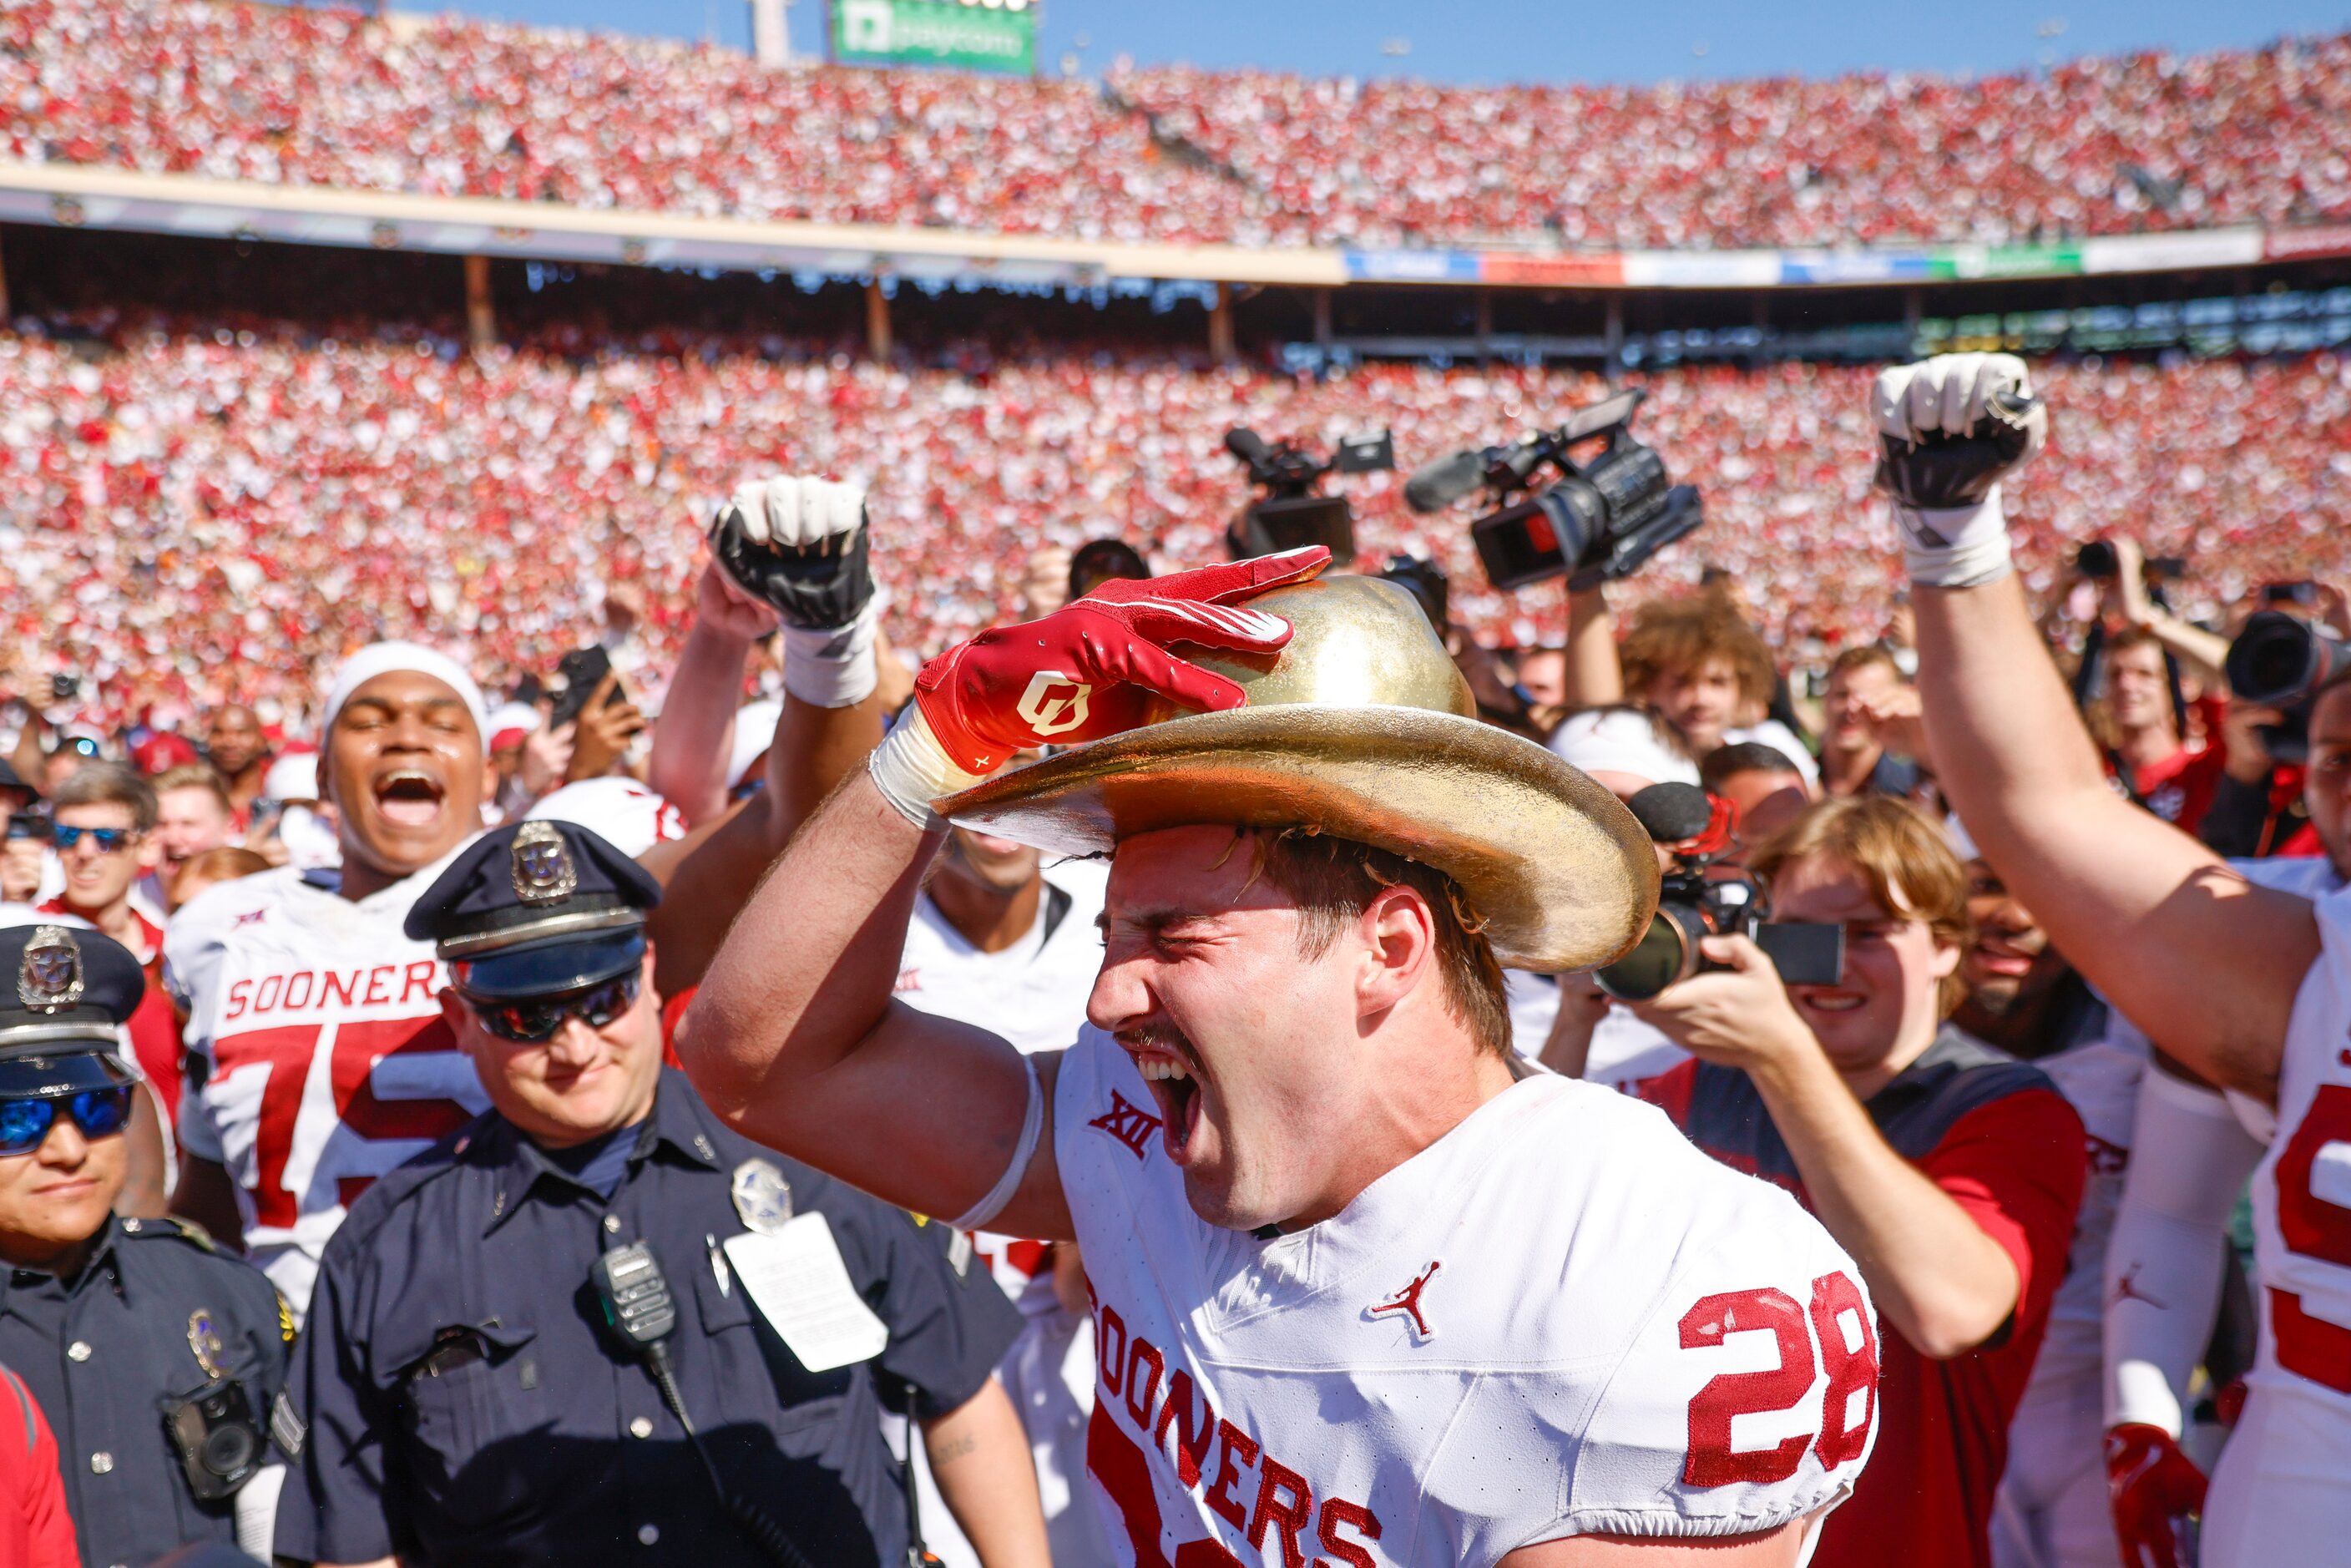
x,y
1614,368
1220,325
481,318
1322,319
877,319
6,314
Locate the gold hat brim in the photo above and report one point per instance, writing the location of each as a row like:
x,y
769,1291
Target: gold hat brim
x,y
1557,867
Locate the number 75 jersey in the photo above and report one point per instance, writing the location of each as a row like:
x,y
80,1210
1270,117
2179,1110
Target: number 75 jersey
x,y
319,1058
1559,1319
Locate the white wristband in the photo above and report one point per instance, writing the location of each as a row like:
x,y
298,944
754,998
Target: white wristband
x,y
1957,547
912,770
1033,1124
834,668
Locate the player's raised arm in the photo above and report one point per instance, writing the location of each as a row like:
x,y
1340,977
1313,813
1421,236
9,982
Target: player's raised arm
x,y
793,1037
2178,942
794,549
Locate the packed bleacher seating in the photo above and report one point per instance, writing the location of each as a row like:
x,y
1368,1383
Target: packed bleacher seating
x,y
188,511
456,107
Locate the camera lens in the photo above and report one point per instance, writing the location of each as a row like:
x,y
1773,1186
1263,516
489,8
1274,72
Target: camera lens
x,y
228,1449
1666,952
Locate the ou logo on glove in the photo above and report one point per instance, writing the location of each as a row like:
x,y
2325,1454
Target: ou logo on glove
x,y
1048,714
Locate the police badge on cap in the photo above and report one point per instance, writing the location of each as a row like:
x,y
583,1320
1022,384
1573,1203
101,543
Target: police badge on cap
x,y
542,868
48,977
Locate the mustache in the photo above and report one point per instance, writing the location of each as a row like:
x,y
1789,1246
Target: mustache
x,y
1160,1035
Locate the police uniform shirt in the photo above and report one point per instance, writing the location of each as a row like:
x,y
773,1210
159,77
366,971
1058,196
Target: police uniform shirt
x,y
458,1399
98,1352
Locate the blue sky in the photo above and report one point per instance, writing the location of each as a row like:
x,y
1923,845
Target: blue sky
x,y
1552,40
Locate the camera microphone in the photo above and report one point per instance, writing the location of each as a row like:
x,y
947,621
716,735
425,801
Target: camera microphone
x,y
1437,484
1247,446
1672,813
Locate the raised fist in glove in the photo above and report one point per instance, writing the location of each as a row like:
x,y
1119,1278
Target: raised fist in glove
x,y
1089,669
1948,428
2154,1488
799,545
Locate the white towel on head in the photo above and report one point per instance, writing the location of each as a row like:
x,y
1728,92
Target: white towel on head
x,y
382,658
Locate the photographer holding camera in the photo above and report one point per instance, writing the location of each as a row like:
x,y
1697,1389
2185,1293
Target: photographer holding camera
x,y
1950,1172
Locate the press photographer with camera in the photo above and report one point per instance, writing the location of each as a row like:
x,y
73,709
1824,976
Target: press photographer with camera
x,y
2249,987
1950,1172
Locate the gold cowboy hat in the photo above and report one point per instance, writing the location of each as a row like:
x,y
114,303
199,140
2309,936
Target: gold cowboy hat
x,y
1364,728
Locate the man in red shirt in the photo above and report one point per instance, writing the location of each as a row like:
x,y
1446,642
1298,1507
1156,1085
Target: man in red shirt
x,y
36,1530
2145,748
1950,1171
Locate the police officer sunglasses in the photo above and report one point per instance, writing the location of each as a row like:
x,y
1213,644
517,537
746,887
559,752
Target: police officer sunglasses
x,y
535,1019
108,840
99,1112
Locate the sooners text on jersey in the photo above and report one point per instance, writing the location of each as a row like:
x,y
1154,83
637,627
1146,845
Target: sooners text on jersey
x,y
324,1059
1559,1318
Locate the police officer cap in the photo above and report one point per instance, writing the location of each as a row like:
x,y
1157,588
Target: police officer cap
x,y
64,995
535,909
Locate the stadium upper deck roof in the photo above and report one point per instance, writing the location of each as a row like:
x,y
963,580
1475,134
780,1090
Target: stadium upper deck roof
x,y
89,196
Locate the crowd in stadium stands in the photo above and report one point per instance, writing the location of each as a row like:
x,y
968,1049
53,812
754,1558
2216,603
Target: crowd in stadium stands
x,y
454,107
206,514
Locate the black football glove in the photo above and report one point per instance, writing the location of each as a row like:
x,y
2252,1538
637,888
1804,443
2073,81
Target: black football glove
x,y
799,545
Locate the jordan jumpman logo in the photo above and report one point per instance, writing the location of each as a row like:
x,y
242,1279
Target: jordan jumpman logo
x,y
1407,1301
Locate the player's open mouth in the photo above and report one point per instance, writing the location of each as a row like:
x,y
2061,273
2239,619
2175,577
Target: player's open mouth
x,y
1171,1067
409,797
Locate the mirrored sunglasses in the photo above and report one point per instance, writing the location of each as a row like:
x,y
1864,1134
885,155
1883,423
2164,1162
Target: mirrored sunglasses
x,y
108,840
535,1019
99,1112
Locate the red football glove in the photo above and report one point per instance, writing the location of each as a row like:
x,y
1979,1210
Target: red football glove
x,y
1091,668
2154,1488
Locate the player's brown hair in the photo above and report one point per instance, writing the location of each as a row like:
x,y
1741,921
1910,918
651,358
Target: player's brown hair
x,y
107,784
1903,857
1863,657
1333,879
192,776
1681,635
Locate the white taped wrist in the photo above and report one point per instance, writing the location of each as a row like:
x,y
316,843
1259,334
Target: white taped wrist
x,y
836,667
1956,547
912,770
1033,1124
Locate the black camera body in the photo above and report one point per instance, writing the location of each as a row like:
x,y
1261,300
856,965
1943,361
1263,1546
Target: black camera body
x,y
1697,900
1293,512
219,1443
2281,661
1598,520
29,825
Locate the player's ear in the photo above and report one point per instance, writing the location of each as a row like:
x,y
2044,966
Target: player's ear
x,y
1399,939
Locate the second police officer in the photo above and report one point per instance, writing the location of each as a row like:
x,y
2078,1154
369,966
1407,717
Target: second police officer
x,y
597,1325
155,1357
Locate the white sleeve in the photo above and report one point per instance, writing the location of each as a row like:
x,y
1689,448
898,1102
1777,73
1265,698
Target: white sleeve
x,y
1749,1397
2164,1260
193,949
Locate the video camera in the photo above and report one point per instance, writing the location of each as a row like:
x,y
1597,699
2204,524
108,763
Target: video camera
x,y
1693,901
2283,661
1598,520
1293,512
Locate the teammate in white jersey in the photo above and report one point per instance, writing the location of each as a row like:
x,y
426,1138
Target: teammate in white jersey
x,y
1367,1289
2249,987
1001,940
318,1056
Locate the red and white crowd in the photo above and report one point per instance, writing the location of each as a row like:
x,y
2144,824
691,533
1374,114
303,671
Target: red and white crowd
x,y
456,107
191,515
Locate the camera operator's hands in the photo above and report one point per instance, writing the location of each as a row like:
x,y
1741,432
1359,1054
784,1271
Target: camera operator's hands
x,y
1949,429
20,869
1089,669
603,733
800,545
1740,1017
2248,760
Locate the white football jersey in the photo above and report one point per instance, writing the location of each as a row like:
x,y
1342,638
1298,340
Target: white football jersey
x,y
2099,1077
323,1058
1560,1318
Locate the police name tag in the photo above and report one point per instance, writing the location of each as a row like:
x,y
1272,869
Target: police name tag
x,y
796,1278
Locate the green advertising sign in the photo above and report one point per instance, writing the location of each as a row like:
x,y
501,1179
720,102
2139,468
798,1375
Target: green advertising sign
x,y
999,35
